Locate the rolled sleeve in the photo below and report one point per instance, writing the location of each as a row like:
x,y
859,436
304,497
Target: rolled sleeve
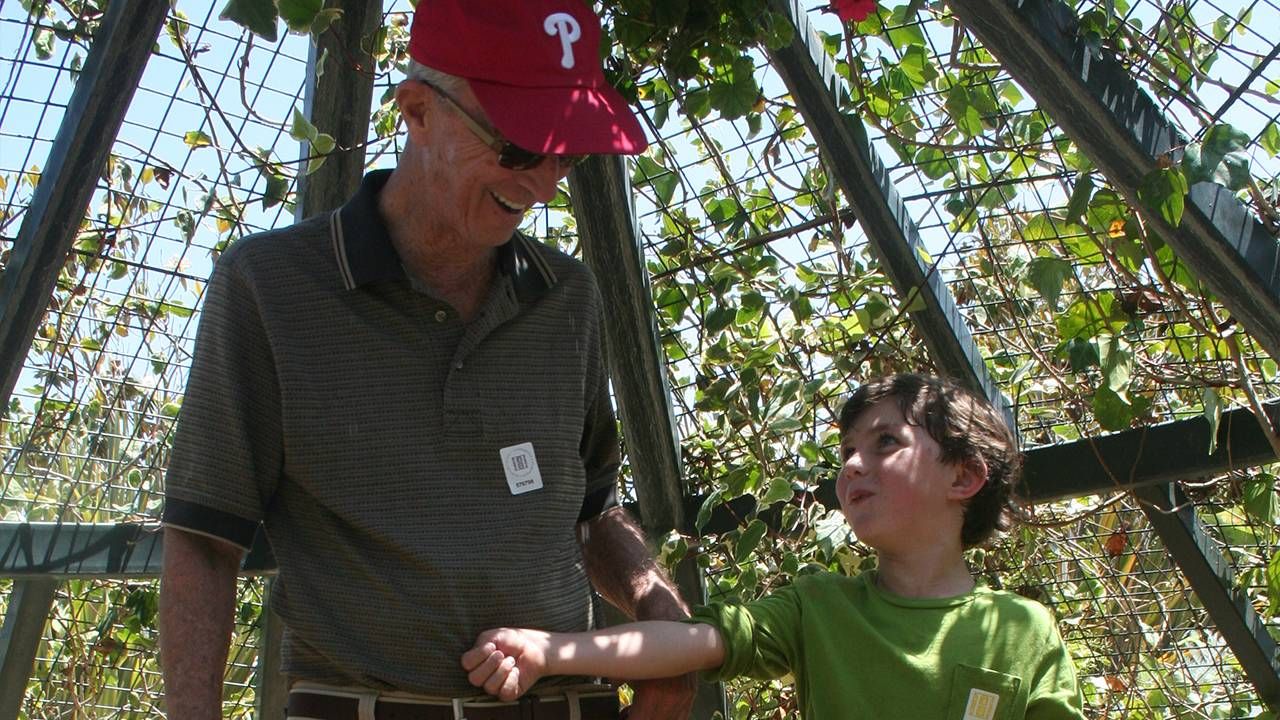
x,y
761,639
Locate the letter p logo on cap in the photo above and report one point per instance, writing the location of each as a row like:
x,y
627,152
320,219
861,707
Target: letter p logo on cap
x,y
566,27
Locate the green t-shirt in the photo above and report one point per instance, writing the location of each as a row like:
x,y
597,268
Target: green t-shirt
x,y
857,651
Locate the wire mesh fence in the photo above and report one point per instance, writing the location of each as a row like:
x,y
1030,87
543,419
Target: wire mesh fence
x,y
771,302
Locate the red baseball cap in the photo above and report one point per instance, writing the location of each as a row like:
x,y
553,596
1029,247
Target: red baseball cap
x,y
534,65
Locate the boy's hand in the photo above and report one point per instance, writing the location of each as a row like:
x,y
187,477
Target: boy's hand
x,y
506,662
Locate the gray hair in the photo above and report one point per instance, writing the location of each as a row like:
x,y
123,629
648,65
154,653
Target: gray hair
x,y
451,84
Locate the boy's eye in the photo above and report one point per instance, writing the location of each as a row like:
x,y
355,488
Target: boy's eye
x,y
886,439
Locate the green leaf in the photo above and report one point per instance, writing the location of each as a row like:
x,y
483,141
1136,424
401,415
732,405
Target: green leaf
x,y
708,505
1117,362
43,42
1164,190
1260,498
1047,275
902,29
916,67
831,532
321,146
960,103
167,308
1273,584
323,143
1082,354
1221,157
1271,138
276,191
933,162
914,301
1080,196
736,92
785,425
663,181
1222,27
299,14
1111,410
778,490
749,539
719,319
1212,413
302,128
176,28
778,31
197,138
257,16
321,23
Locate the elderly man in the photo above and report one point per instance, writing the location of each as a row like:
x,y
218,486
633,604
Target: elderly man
x,y
410,396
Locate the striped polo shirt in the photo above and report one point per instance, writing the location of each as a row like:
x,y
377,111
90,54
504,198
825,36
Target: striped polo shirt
x,y
419,478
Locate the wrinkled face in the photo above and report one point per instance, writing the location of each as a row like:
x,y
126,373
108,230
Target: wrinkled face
x,y
893,488
469,192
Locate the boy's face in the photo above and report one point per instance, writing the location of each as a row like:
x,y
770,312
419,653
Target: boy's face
x,y
894,490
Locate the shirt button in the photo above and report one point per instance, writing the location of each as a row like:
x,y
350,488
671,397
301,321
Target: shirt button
x,y
457,365
441,316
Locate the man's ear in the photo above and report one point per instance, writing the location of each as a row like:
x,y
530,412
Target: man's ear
x,y
971,476
415,102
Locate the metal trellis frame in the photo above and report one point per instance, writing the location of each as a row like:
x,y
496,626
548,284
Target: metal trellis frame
x,y
111,72
1103,110
810,75
24,621
1173,516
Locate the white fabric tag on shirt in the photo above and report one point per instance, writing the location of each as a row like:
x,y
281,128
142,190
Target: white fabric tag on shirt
x,y
521,467
982,705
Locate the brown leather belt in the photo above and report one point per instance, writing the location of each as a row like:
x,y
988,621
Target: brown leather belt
x,y
331,707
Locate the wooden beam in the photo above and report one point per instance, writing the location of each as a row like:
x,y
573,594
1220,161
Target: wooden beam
x,y
1174,518
1091,95
338,100
809,73
120,50
612,247
30,602
1177,450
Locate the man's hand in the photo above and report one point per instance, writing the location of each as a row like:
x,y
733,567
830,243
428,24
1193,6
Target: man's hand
x,y
662,699
506,662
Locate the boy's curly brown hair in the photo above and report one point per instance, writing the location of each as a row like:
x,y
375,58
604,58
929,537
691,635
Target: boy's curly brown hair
x,y
966,427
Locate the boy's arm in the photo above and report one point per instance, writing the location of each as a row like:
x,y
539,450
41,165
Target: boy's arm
x,y
506,662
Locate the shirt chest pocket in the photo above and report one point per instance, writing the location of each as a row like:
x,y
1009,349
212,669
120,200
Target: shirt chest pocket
x,y
981,694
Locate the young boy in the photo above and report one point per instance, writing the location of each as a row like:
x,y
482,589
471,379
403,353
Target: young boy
x,y
927,471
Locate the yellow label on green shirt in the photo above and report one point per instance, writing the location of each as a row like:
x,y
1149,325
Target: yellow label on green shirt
x,y
981,705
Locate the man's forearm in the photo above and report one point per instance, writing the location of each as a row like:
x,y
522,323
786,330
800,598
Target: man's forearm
x,y
197,601
622,569
636,651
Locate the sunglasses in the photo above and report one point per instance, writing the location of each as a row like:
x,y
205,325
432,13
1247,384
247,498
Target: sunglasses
x,y
510,155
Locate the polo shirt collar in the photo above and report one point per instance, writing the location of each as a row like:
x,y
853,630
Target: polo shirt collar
x,y
364,253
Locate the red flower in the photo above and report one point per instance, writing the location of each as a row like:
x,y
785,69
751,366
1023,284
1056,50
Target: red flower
x,y
853,10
